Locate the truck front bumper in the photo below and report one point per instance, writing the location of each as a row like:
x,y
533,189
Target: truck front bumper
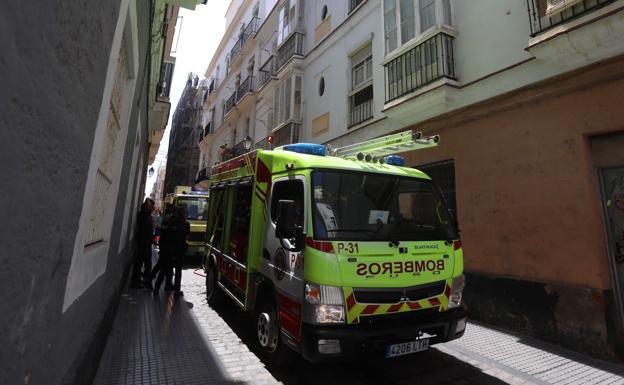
x,y
372,336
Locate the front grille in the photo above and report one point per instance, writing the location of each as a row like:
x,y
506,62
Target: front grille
x,y
196,237
412,293
398,319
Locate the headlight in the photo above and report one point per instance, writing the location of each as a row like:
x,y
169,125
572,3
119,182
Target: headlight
x,y
457,288
323,304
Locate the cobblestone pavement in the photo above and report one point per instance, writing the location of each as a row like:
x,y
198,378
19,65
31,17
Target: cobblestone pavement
x,y
483,356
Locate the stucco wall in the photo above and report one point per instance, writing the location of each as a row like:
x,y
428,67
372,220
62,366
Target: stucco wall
x,y
527,192
54,66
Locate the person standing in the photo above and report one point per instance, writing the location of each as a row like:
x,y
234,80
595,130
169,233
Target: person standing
x,y
165,252
144,236
182,231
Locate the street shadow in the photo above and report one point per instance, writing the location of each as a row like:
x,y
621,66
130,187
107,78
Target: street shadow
x,y
431,367
160,334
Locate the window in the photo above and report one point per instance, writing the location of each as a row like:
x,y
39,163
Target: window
x,y
415,17
321,86
239,227
390,25
288,190
287,17
287,103
324,13
216,218
361,67
389,207
443,174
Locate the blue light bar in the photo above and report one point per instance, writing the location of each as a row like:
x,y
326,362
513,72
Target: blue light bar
x,y
307,148
395,160
196,192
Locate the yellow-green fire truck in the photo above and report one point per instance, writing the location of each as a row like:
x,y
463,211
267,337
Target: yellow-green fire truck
x,y
196,204
336,252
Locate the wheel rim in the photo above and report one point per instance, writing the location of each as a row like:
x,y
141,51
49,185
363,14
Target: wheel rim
x,y
267,336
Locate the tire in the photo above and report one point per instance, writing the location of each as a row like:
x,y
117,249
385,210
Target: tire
x,y
267,331
213,293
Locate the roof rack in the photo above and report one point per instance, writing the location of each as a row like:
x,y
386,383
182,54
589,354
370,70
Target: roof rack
x,y
387,145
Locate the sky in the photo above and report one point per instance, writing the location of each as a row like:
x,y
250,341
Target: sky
x,y
199,36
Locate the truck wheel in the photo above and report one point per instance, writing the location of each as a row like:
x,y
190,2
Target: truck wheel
x,y
268,335
213,294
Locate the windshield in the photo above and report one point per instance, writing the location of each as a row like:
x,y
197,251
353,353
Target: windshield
x,y
196,207
368,207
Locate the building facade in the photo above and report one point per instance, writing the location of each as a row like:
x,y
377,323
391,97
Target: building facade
x,y
186,130
525,95
76,143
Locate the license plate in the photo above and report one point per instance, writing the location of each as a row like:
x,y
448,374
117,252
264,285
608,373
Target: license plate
x,y
404,348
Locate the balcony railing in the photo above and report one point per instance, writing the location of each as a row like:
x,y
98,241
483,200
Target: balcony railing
x,y
431,60
238,149
361,106
353,4
245,87
292,46
287,134
267,71
166,76
250,30
203,174
213,85
265,144
541,19
229,104
236,50
209,129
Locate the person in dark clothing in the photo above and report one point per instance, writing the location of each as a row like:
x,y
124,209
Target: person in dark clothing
x,y
144,235
163,269
174,233
183,229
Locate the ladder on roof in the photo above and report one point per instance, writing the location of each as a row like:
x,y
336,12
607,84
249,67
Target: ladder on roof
x,y
387,145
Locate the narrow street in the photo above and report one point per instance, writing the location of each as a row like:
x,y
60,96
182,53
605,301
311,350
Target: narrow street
x,y
482,356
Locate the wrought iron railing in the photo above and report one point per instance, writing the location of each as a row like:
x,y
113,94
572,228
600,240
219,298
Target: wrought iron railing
x,y
361,106
245,87
287,134
209,129
265,144
293,46
229,104
238,149
353,4
166,77
213,85
203,174
250,29
428,61
266,71
236,49
541,20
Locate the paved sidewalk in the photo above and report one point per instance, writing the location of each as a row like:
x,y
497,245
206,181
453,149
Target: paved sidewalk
x,y
156,340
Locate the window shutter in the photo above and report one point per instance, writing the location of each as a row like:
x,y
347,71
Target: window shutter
x,y
557,6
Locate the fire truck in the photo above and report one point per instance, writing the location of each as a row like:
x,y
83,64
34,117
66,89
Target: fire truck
x,y
196,204
336,252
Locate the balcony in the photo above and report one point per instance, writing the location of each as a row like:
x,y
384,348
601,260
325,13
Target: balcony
x,y
266,71
361,106
291,47
287,134
247,86
353,4
541,19
250,30
427,62
229,104
213,85
209,129
236,49
265,144
238,149
202,175
164,84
